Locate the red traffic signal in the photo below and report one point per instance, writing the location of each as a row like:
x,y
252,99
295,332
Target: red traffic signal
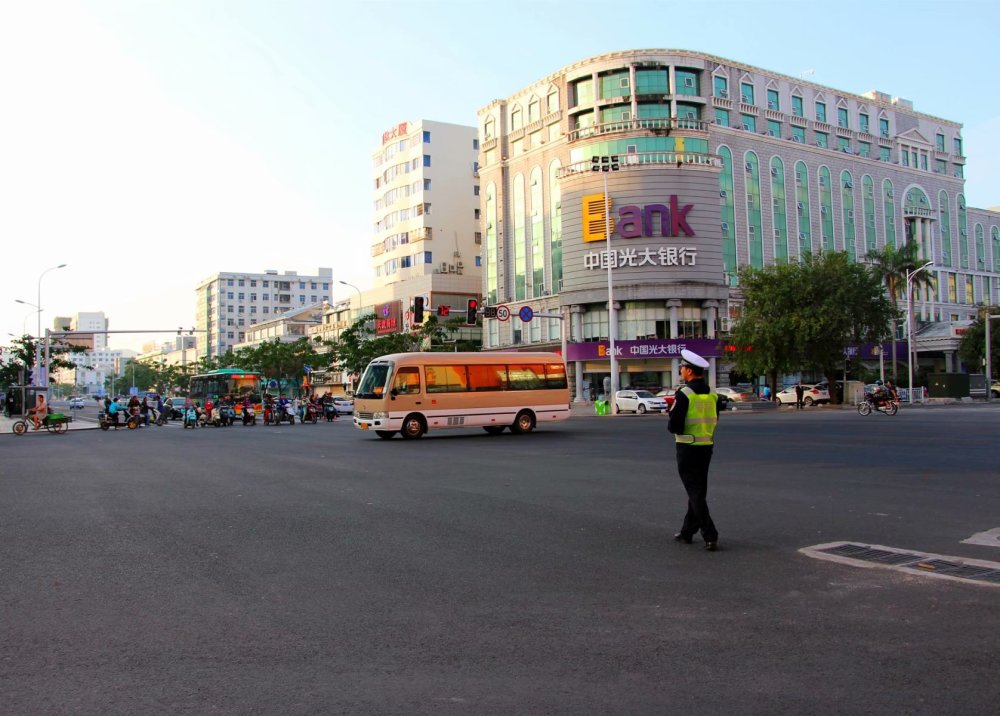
x,y
471,311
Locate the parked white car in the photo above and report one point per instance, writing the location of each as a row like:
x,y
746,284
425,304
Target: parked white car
x,y
343,406
639,401
76,403
811,395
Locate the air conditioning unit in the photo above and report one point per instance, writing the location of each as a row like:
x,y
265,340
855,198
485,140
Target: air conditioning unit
x,y
746,127
848,184
800,205
850,213
745,99
724,324
772,105
722,193
444,267
460,265
822,210
774,171
725,226
777,233
724,93
753,229
802,236
451,268
890,192
749,166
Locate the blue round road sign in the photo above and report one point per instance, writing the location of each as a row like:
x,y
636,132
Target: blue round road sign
x,y
526,314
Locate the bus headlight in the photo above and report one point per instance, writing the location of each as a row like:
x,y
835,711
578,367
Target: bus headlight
x,y
384,415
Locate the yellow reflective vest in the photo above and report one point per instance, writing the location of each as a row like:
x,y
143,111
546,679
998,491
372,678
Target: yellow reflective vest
x,y
701,418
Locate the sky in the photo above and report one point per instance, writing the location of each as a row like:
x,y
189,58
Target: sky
x,y
148,144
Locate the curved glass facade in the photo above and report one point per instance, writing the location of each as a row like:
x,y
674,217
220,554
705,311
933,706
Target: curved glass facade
x,y
779,218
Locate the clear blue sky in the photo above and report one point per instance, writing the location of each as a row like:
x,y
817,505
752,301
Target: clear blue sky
x,y
153,143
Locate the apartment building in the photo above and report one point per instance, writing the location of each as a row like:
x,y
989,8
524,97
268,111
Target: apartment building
x,y
228,303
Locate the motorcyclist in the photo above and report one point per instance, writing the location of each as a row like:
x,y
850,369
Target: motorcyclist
x,y
113,409
284,405
879,394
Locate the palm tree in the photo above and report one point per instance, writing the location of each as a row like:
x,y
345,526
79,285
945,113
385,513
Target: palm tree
x,y
892,266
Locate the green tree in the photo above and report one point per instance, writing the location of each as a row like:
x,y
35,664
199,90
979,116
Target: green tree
x,y
807,314
21,357
972,349
891,265
766,324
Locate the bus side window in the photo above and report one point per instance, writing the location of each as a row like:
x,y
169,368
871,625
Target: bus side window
x,y
407,381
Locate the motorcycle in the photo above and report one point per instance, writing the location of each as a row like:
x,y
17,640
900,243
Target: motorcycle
x,y
887,406
106,422
282,413
57,423
190,418
249,415
330,412
310,414
227,415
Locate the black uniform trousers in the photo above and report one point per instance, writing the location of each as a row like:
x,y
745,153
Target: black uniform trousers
x,y
692,464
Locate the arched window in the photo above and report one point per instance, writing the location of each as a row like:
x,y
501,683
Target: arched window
x,y
944,206
826,209
491,249
728,214
755,242
536,212
802,208
555,226
520,239
889,209
779,210
847,204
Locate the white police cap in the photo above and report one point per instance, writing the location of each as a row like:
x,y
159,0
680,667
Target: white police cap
x,y
692,358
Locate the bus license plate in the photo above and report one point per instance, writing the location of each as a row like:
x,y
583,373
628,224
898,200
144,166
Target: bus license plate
x,y
363,426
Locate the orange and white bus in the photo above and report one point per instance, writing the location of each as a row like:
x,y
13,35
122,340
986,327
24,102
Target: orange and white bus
x,y
411,393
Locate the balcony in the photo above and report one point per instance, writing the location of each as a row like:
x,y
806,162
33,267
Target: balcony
x,y
640,159
658,126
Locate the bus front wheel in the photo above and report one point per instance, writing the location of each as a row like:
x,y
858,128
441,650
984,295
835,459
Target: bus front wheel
x,y
385,434
524,423
413,427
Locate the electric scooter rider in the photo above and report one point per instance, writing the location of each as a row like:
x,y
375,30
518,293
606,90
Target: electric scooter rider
x,y
284,407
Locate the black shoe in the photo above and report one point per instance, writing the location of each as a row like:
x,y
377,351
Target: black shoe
x,y
681,537
712,546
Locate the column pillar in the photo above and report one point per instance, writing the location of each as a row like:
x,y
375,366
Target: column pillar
x,y
711,308
576,334
674,305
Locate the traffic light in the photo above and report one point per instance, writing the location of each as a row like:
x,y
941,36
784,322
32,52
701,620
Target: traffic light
x,y
473,309
418,309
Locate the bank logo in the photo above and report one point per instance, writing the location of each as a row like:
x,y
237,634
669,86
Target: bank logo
x,y
647,221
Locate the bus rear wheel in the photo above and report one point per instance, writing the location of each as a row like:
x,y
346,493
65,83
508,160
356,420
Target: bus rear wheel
x,y
413,427
385,434
524,423
493,429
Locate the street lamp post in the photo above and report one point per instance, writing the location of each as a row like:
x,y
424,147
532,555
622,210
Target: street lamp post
x,y
351,285
37,374
605,165
909,324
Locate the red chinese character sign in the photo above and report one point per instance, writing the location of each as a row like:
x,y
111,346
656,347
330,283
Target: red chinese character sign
x,y
388,318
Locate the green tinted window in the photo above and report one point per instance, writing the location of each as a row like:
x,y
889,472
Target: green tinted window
x,y
822,139
746,93
843,144
720,86
687,82
722,117
583,92
865,149
797,106
615,85
799,135
749,122
842,120
774,128
939,142
654,111
651,82
863,122
772,100
728,214
756,239
885,154
958,146
883,127
820,111
688,111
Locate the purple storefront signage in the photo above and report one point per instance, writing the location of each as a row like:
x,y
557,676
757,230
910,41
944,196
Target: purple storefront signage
x,y
665,348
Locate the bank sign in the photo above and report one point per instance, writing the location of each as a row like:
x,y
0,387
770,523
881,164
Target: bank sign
x,y
669,220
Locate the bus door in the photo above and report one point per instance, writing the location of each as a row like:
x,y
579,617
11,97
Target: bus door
x,y
405,396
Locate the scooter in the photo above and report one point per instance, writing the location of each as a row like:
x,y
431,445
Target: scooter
x,y
227,415
330,412
249,415
190,418
310,414
106,422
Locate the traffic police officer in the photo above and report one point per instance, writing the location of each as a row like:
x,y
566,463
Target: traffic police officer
x,y
693,418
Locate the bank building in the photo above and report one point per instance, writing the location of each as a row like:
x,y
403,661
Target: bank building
x,y
709,165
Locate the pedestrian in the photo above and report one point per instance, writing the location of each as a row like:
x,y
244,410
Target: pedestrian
x,y
799,392
692,421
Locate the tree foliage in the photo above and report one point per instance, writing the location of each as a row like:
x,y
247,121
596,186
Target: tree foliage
x,y
20,355
805,315
972,349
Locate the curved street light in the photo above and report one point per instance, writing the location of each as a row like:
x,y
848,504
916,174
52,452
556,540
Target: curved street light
x,y
351,285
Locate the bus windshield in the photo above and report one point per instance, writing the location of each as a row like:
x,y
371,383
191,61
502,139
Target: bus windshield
x,y
375,382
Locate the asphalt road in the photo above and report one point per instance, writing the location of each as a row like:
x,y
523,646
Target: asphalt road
x,y
317,569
